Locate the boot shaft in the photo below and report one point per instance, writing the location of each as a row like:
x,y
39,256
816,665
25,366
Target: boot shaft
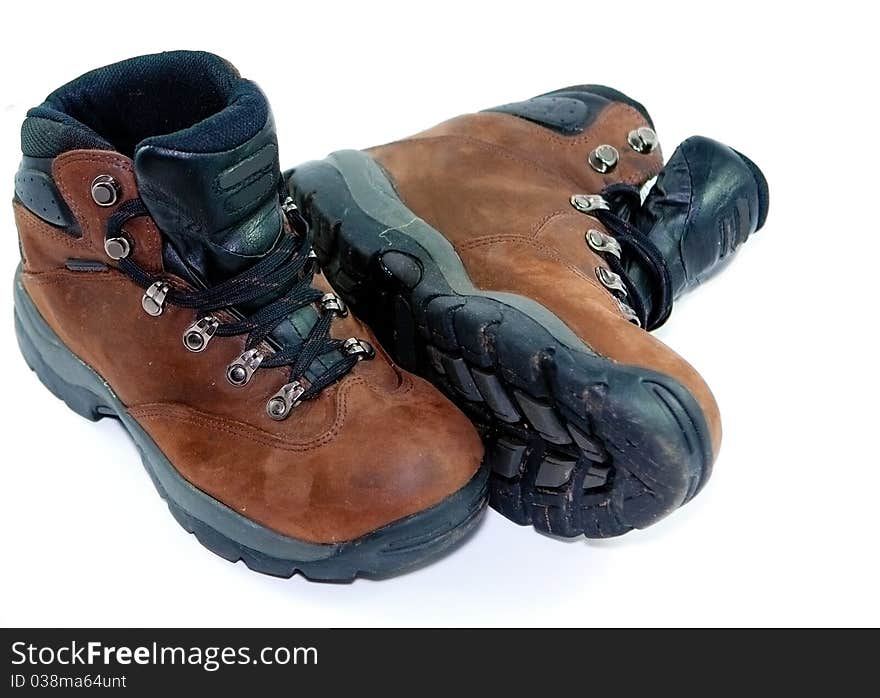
x,y
203,146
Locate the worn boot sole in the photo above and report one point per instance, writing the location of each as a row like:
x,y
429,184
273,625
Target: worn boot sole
x,y
395,548
577,444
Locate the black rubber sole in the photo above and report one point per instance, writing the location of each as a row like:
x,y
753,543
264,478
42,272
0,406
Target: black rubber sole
x,y
395,548
577,444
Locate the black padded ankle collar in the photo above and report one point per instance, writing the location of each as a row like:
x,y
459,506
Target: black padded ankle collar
x,y
191,100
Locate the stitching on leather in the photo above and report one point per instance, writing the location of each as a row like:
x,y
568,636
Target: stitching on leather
x,y
406,385
498,150
189,415
608,115
40,228
215,425
60,164
639,175
541,224
547,251
148,244
64,276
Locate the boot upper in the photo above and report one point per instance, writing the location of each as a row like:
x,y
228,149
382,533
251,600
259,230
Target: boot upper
x,y
499,185
373,447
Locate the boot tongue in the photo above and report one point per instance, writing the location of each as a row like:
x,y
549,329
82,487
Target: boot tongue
x,y
705,203
212,189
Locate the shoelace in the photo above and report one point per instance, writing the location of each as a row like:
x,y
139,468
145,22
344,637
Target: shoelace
x,y
285,276
614,209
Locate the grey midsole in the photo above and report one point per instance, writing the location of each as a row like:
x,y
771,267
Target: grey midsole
x,y
375,195
188,497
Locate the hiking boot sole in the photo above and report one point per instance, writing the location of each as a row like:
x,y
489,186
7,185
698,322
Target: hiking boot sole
x,y
577,443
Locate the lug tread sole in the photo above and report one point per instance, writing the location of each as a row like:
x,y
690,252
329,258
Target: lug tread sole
x,y
569,446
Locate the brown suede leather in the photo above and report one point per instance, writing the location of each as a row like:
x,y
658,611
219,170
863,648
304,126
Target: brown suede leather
x,y
499,188
375,447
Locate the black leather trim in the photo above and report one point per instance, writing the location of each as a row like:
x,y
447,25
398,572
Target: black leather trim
x,y
219,210
569,110
565,115
611,95
37,192
705,204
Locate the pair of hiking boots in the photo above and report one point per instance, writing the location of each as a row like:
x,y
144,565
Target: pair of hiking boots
x,y
258,334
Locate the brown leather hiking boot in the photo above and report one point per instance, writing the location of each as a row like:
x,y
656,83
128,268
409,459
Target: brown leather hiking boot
x,y
508,256
165,282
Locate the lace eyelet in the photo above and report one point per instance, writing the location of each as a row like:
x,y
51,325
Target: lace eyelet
x,y
586,203
294,216
291,249
610,280
240,371
604,158
331,303
358,347
282,403
117,248
105,190
289,206
153,301
629,313
197,335
642,140
600,242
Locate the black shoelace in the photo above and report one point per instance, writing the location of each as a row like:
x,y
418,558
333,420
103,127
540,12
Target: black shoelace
x,y
623,200
285,275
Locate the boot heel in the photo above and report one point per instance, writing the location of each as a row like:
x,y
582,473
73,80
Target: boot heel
x,y
81,400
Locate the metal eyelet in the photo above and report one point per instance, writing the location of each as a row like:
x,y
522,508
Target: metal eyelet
x,y
642,140
105,190
600,242
610,280
331,303
239,372
358,347
289,205
604,158
117,248
629,313
293,215
197,335
153,301
586,203
281,403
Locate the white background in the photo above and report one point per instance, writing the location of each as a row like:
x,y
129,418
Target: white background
x,y
786,531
